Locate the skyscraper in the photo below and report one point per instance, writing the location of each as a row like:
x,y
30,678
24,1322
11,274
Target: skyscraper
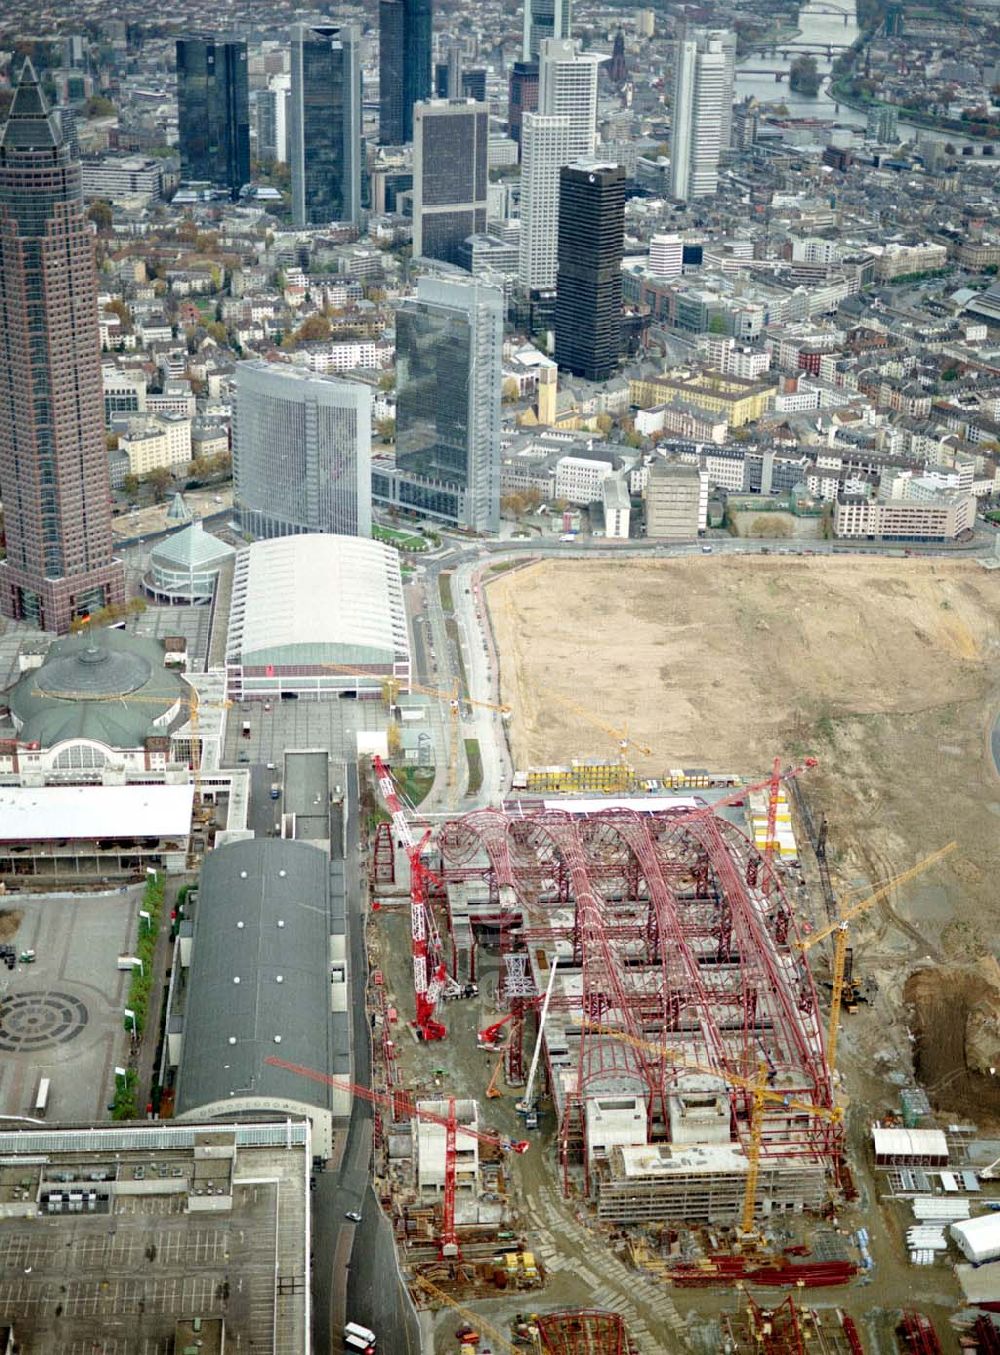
x,y
449,344
326,124
450,176
696,137
544,151
391,62
417,35
213,111
301,452
567,87
589,283
523,96
53,462
545,19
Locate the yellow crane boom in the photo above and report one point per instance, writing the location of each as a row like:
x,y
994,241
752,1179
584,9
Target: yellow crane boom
x,y
495,1336
840,927
761,1095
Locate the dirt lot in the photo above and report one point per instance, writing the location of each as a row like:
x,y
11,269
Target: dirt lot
x,y
884,669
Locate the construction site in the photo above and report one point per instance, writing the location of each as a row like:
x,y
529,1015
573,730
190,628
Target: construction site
x,y
611,1111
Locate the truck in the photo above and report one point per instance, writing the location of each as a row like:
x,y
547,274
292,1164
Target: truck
x,y
245,729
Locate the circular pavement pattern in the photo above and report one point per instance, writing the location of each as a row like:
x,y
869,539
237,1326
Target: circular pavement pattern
x,y
32,1021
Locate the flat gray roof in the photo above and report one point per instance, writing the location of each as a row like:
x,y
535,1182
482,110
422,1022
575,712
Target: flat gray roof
x,y
259,982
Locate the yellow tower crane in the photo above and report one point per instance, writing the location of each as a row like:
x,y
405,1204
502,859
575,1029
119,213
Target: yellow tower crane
x,y
620,736
761,1095
840,927
480,1324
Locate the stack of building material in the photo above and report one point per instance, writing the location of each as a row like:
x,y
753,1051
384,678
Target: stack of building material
x,y
930,1209
923,1242
784,838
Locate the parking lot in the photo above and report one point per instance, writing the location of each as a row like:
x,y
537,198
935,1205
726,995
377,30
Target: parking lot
x,y
61,1016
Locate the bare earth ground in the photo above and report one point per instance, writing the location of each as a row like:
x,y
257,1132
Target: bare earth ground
x,y
887,670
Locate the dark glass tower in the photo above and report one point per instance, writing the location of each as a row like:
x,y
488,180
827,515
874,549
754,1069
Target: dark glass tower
x,y
417,31
449,351
213,111
589,281
53,462
523,96
391,63
326,124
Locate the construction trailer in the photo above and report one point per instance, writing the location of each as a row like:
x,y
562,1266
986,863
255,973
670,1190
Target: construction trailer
x,y
680,982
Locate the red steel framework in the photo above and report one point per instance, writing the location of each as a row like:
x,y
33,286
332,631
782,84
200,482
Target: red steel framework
x,y
917,1335
580,1332
710,940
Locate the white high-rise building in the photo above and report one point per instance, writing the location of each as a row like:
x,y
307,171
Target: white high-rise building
x,y
545,143
699,95
545,19
727,41
567,87
666,256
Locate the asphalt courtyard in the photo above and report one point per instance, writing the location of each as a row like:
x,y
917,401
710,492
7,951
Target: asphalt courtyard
x,y
61,1017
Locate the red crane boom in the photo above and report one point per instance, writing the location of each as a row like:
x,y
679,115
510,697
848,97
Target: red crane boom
x,y
403,1106
430,975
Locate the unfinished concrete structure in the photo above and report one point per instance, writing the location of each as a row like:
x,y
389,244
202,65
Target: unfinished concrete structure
x,y
670,930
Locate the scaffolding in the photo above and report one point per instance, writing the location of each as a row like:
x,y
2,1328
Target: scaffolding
x,y
673,929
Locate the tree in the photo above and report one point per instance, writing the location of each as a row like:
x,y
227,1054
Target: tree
x,y
100,214
386,381
217,331
717,324
99,107
605,423
111,442
512,505
510,389
386,429
159,479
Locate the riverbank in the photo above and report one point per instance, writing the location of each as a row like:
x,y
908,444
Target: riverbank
x,y
945,127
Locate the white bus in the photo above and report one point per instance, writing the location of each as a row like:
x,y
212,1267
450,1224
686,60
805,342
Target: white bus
x,y
360,1338
42,1099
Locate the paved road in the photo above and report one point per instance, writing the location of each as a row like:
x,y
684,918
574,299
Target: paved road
x,y
371,1292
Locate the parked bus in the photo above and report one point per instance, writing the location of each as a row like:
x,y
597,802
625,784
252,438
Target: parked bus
x,y
360,1338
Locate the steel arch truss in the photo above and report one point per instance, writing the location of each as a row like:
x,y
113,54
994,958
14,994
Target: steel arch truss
x,y
683,937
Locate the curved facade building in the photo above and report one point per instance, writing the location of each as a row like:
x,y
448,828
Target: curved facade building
x,y
301,452
316,615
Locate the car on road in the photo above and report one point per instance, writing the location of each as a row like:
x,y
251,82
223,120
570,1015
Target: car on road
x,y
354,1215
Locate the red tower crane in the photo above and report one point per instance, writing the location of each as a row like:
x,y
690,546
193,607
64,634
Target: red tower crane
x,y
403,1106
430,976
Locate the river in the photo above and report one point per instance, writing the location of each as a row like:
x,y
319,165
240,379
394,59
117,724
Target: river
x,y
819,22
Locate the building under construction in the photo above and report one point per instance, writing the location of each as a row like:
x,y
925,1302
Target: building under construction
x,y
681,1046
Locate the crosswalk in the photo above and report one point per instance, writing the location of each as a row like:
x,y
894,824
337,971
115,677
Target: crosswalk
x,y
563,1244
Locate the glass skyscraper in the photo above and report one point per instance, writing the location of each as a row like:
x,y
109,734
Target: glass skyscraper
x,y
53,462
449,342
418,17
301,452
213,111
391,63
589,280
450,176
326,124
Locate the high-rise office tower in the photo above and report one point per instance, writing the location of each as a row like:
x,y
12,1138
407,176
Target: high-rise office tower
x,y
727,41
696,137
544,150
589,283
417,38
213,111
301,452
567,87
326,123
545,19
450,175
391,60
474,84
449,345
53,462
270,109
522,96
